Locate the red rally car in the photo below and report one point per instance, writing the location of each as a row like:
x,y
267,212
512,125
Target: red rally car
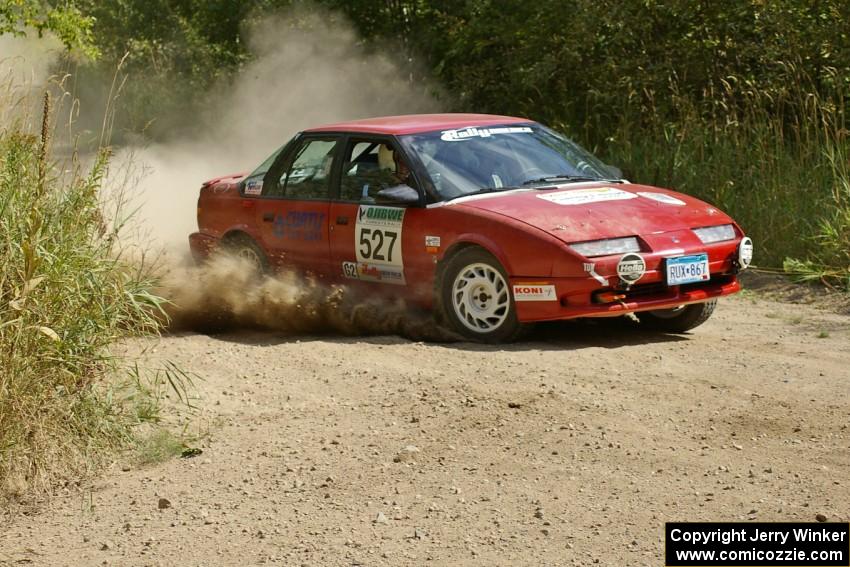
x,y
491,221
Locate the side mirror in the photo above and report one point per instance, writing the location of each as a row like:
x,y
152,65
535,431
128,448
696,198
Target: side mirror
x,y
400,195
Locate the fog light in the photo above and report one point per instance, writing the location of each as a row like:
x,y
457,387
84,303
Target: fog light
x,y
745,252
609,296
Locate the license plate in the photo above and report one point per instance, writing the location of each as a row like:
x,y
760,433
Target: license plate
x,y
687,269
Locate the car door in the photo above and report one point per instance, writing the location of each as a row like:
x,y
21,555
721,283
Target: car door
x,y
294,209
367,238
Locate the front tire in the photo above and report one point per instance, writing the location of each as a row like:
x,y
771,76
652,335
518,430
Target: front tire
x,y
475,298
680,319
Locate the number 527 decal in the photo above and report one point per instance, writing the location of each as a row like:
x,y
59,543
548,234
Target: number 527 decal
x,y
378,237
372,244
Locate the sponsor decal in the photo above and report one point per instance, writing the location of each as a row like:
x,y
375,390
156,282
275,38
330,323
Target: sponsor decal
x,y
662,198
587,196
380,216
590,268
254,187
473,132
377,243
381,274
349,270
534,292
299,225
631,267
432,241
372,273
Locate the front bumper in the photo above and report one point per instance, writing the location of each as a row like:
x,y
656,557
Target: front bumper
x,y
583,296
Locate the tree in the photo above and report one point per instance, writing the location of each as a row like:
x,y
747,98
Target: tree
x,y
65,21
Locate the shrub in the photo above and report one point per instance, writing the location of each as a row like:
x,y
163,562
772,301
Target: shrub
x,y
66,296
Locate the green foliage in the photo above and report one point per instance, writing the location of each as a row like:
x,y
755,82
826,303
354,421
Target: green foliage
x,y
775,177
66,21
66,296
170,53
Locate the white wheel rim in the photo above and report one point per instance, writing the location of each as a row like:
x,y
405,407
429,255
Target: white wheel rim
x,y
251,256
481,298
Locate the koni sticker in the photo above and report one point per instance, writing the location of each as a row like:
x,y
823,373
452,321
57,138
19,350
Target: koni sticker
x,y
474,132
662,198
534,292
378,237
587,196
432,241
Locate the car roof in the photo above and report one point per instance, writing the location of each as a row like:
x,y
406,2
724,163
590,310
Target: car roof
x,y
416,123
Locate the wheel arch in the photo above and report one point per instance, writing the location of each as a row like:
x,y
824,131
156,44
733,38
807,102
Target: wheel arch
x,y
466,241
236,234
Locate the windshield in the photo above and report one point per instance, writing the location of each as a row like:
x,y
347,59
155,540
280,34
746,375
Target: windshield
x,y
475,159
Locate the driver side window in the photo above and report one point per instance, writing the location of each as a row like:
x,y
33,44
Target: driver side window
x,y
368,167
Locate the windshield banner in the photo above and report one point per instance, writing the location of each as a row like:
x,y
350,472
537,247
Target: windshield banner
x,y
473,132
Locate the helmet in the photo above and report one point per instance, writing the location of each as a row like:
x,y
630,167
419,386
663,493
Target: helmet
x,y
386,158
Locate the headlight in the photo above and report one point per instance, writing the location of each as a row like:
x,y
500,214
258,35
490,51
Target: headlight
x,y
607,247
712,234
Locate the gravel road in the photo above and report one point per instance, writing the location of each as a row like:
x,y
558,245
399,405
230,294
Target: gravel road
x,y
570,448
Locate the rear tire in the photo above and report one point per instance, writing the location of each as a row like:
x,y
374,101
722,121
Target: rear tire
x,y
218,315
679,319
475,300
244,247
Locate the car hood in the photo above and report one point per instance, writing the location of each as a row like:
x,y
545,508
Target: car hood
x,y
579,212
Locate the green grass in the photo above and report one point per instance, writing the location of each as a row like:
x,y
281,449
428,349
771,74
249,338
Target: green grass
x,y
66,296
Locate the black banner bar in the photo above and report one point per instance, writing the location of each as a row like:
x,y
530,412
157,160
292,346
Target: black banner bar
x,y
746,544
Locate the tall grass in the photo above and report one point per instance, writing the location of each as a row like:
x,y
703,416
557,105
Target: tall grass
x,y
66,296
777,162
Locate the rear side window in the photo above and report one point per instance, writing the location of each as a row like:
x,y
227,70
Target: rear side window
x,y
308,174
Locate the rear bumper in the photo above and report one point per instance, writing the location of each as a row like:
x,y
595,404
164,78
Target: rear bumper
x,y
202,245
577,297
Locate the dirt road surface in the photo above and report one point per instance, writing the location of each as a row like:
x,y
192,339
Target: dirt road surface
x,y
570,448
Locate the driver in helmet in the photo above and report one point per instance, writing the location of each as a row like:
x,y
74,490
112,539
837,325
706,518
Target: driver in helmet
x,y
391,161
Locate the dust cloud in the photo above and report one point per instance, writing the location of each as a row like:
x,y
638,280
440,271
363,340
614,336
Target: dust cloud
x,y
25,67
307,69
226,294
